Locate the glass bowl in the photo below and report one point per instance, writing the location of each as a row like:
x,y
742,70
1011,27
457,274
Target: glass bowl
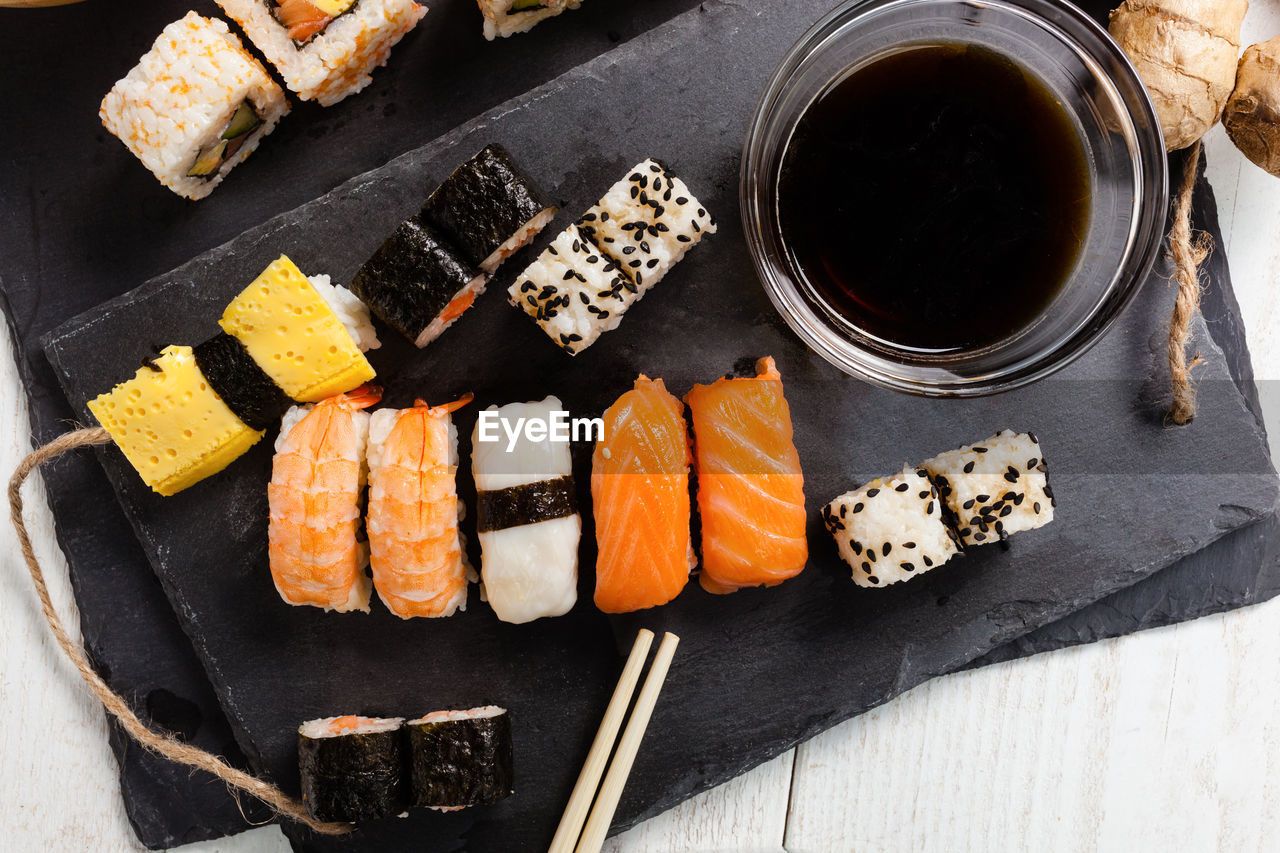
x,y
1079,63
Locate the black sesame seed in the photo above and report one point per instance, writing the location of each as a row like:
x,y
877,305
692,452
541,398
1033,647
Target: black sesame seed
x,y
968,467
1036,507
1004,512
873,579
683,239
908,544
907,567
924,494
979,450
978,537
1032,463
1012,478
871,554
682,200
928,510
888,546
857,507
866,567
902,487
928,562
871,493
967,504
983,498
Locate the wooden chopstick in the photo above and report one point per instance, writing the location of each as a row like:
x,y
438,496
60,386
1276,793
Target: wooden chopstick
x,y
584,789
620,768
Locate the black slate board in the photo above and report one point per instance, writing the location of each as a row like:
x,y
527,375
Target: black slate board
x,y
48,275
811,652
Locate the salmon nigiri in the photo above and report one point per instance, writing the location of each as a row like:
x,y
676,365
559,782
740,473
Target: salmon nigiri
x,y
318,472
750,488
640,486
419,568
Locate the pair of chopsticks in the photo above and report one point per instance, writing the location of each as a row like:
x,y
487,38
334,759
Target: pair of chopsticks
x,y
606,801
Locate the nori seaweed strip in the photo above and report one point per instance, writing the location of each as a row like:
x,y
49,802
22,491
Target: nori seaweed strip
x,y
353,777
484,203
240,382
527,504
412,277
461,762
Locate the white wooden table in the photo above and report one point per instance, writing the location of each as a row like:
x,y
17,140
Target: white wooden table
x,y
1164,740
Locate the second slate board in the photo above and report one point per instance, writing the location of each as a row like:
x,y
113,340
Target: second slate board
x,y
807,654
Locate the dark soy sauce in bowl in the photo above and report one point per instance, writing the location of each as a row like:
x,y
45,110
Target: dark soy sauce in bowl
x,y
936,198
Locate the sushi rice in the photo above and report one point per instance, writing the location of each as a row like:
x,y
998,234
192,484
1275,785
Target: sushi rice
x,y
181,97
891,529
336,62
503,19
353,313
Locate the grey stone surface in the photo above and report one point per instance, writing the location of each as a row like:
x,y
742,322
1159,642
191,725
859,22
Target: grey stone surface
x,y
78,235
760,670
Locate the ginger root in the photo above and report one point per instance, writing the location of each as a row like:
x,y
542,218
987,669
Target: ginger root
x,y
1185,52
1252,117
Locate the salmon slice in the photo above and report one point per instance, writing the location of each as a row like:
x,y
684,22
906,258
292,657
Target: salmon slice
x,y
640,488
750,487
301,19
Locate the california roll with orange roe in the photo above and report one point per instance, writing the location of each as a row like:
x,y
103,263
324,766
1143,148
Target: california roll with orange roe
x,y
325,49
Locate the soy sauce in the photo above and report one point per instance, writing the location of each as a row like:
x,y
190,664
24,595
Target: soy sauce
x,y
936,198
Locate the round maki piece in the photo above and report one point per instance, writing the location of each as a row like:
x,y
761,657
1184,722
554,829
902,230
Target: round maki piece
x,y
352,768
236,378
460,758
489,208
417,283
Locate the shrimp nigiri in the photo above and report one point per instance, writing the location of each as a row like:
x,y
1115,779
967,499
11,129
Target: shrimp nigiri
x,y
314,494
419,567
640,485
750,487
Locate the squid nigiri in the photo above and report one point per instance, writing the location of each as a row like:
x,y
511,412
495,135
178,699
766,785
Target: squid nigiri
x,y
419,567
640,488
526,516
318,472
750,487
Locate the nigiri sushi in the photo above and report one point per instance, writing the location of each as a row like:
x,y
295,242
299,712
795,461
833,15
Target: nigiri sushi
x,y
640,486
313,499
526,514
415,549
750,487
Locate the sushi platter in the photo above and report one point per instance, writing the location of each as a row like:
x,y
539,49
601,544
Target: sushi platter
x,y
1140,509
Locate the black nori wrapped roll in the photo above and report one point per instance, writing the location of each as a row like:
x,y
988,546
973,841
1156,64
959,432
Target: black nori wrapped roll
x,y
237,379
485,203
527,504
461,762
412,278
353,776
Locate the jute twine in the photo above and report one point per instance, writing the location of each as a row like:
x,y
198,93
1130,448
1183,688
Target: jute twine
x,y
162,744
1189,251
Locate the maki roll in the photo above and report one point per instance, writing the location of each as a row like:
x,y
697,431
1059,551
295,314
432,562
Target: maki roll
x,y
352,768
460,758
171,424
526,514
891,529
417,283
647,222
508,17
596,269
196,105
488,208
574,292
325,49
306,335
996,488
419,567
237,379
